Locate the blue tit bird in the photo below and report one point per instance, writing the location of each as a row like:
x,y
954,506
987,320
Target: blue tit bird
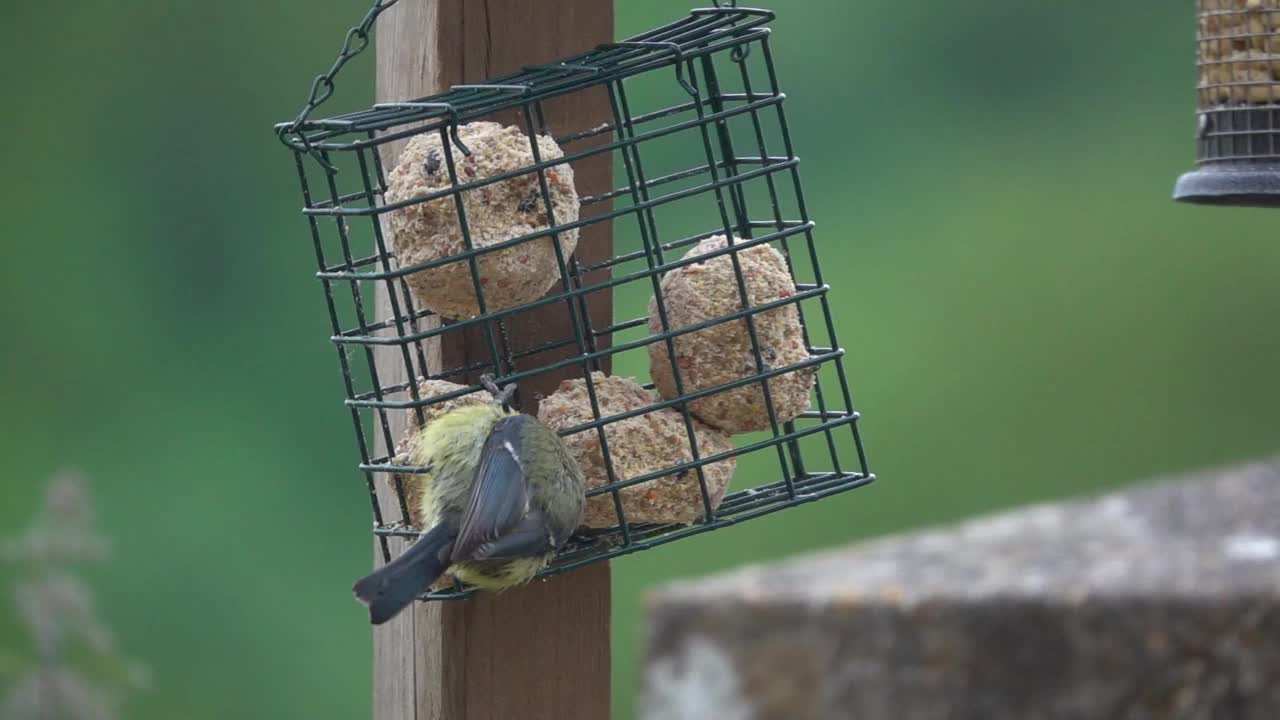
x,y
501,494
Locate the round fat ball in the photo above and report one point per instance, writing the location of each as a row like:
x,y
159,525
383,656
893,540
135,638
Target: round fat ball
x,y
638,446
497,212
722,353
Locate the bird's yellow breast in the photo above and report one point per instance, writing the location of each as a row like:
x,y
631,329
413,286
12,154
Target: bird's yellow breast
x,y
449,447
499,575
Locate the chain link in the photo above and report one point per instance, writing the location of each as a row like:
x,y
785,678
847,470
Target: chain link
x,y
356,41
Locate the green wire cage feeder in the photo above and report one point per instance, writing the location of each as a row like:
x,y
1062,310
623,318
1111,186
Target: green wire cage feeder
x,y
1238,54
463,211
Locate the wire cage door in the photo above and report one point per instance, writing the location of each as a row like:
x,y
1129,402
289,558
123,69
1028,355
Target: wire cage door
x,y
741,404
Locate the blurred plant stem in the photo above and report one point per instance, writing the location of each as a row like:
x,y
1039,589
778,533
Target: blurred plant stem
x,y
73,671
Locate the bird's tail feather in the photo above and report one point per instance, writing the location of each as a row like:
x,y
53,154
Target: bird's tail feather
x,y
393,586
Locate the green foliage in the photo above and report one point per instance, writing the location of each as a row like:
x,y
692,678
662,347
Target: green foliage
x,y
1027,314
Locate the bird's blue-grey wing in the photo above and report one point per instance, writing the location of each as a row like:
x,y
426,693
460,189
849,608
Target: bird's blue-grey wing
x,y
499,497
529,538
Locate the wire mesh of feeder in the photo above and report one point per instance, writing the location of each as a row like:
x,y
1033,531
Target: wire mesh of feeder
x,y
1238,135
697,133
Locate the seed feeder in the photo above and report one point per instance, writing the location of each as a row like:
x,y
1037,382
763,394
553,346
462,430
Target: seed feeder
x,y
470,213
1238,145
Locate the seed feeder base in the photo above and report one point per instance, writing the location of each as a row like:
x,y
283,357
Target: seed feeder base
x,y
1246,184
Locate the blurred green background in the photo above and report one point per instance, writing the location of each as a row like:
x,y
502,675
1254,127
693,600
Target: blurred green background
x,y
1028,315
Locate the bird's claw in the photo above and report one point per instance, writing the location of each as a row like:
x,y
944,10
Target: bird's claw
x,y
502,395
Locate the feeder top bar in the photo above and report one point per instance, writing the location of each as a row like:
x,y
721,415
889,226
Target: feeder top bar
x,y
704,31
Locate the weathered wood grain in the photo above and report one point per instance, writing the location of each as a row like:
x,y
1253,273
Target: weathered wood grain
x,y
541,651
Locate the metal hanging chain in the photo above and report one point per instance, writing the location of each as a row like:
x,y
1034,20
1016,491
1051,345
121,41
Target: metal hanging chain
x,y
322,87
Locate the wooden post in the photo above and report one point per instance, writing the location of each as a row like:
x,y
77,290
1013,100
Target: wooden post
x,y
541,651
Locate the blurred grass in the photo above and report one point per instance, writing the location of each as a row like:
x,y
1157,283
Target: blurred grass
x,y
1027,314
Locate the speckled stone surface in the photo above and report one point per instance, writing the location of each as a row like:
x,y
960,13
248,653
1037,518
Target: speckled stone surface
x,y
1159,602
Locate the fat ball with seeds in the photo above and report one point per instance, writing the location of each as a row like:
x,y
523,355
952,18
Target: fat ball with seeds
x,y
495,212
